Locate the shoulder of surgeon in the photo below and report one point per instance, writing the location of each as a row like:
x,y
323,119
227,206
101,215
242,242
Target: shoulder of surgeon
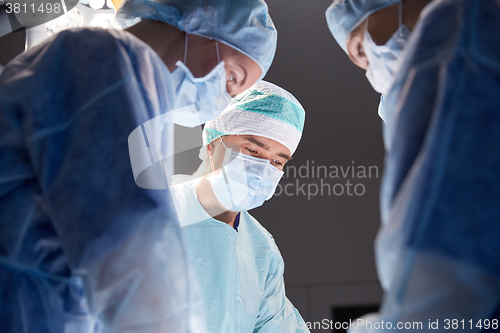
x,y
258,233
109,40
435,38
104,50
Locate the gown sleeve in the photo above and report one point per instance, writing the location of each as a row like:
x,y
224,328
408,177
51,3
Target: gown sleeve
x,y
437,251
78,97
277,314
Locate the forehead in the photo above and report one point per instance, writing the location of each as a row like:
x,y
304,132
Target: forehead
x,y
233,55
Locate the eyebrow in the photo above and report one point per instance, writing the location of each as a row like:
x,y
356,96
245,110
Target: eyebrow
x,y
263,146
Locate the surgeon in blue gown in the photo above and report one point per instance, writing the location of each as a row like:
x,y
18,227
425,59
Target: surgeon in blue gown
x,y
236,260
82,247
437,250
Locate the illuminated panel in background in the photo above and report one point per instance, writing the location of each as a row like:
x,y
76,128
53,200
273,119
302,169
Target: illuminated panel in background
x,y
87,13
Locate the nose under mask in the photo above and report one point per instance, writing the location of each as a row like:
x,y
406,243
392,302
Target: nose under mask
x,y
199,100
244,182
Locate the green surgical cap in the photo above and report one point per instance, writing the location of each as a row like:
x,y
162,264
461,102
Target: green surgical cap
x,y
264,110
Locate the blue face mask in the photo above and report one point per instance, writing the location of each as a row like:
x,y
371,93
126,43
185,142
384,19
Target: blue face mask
x,y
385,60
199,99
244,182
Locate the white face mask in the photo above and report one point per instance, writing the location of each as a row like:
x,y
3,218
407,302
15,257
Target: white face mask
x,y
385,60
201,99
244,181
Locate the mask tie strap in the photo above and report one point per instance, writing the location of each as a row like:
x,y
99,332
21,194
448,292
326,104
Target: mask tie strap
x,y
224,173
211,167
218,54
227,155
227,159
361,47
220,137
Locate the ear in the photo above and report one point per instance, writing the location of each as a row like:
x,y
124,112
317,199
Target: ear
x,y
210,149
355,48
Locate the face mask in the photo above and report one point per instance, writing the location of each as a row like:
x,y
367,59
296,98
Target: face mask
x,y
244,181
199,99
385,60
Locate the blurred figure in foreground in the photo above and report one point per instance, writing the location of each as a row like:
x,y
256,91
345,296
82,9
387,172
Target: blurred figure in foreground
x,y
83,248
437,250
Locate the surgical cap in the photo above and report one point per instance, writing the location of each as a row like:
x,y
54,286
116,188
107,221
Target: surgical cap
x,y
244,25
265,110
343,16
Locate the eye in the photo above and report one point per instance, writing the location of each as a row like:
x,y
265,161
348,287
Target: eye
x,y
277,162
231,79
252,151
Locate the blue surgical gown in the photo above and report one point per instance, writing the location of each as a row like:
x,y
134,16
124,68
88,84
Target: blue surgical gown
x,y
82,247
240,272
438,250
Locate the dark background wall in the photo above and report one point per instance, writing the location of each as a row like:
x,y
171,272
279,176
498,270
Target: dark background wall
x,y
326,240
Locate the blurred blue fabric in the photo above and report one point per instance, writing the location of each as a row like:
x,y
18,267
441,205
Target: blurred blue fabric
x,y
240,272
83,248
343,16
438,249
244,25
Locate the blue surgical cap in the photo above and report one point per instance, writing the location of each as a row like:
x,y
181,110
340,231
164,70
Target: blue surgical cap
x,y
343,16
244,25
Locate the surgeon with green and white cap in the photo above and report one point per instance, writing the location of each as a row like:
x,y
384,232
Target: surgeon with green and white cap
x,y
237,263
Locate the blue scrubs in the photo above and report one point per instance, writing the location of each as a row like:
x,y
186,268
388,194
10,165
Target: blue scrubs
x,y
438,249
240,272
82,247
